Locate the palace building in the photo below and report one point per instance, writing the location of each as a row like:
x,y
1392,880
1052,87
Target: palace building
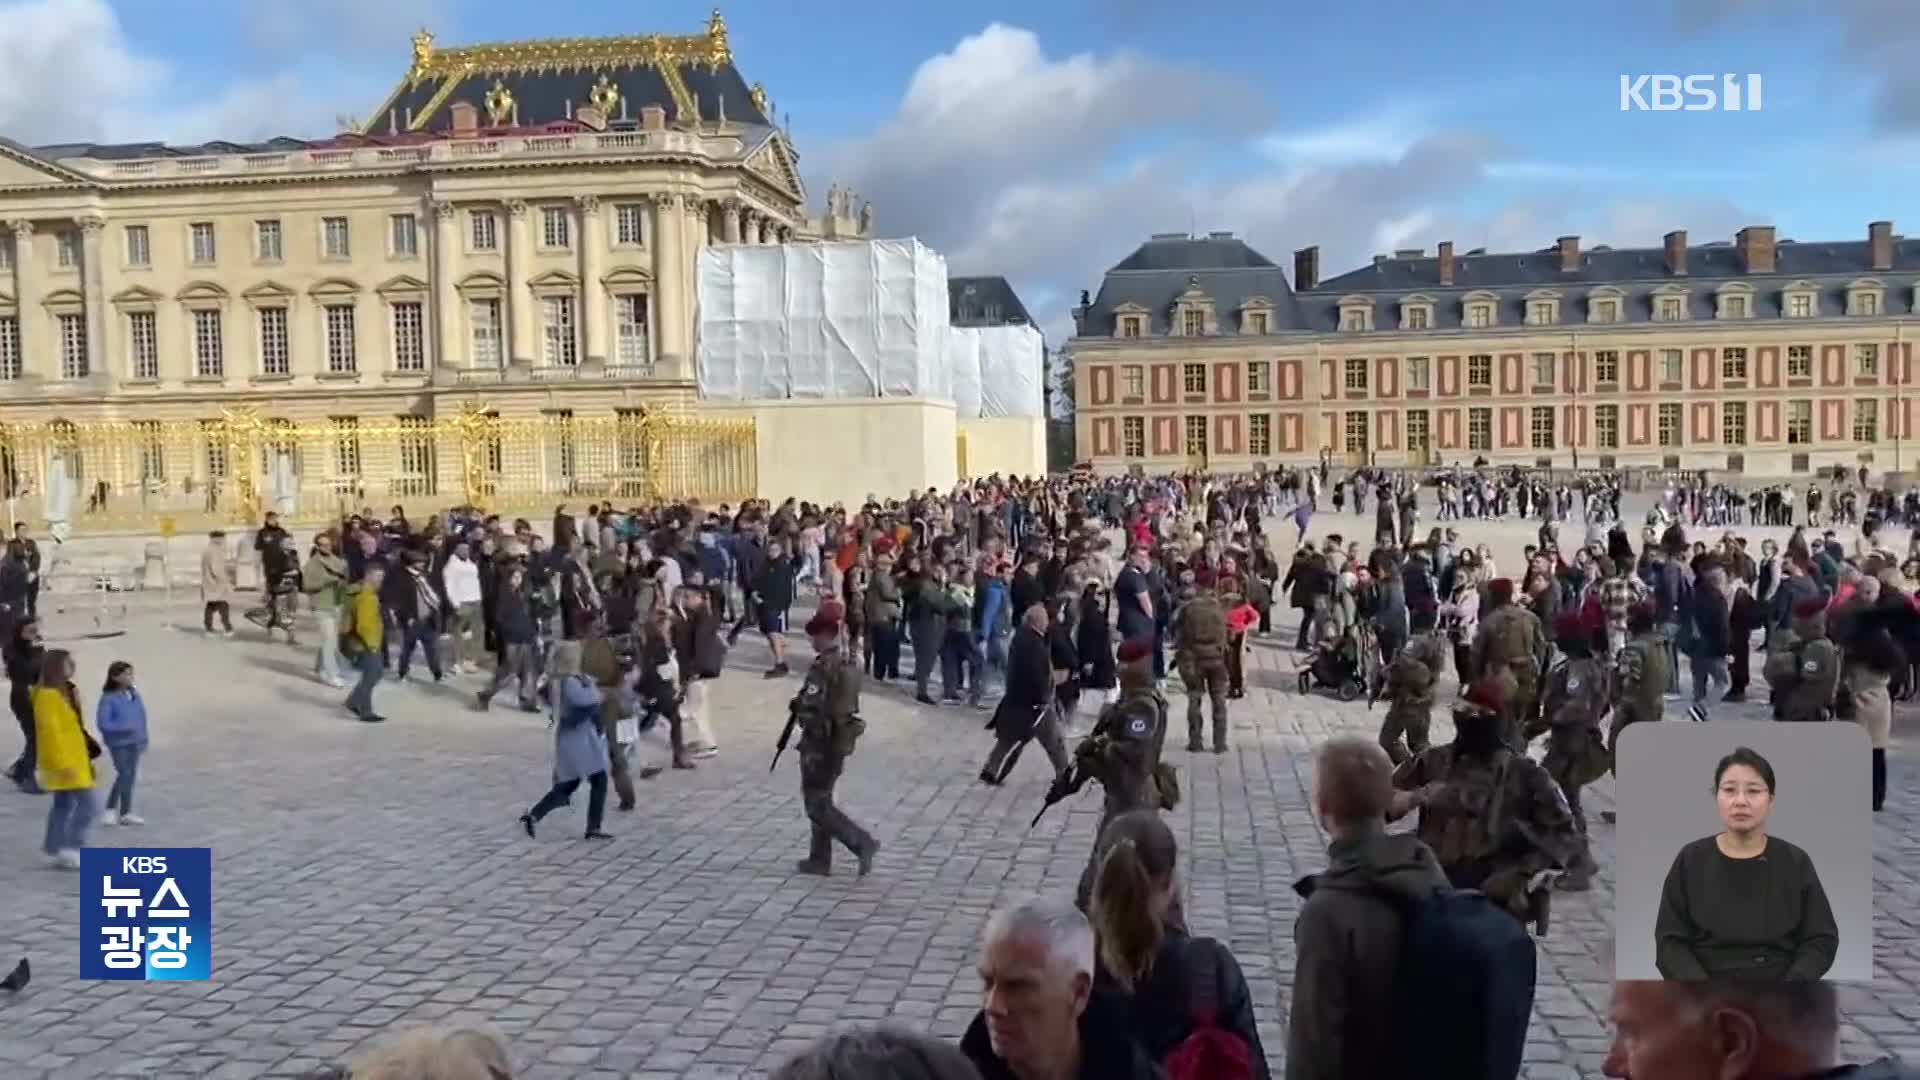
x,y
513,234
1761,355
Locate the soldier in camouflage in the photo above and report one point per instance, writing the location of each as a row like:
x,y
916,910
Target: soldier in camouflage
x,y
1494,818
1579,694
1510,647
825,710
1200,640
1411,679
1122,752
1803,666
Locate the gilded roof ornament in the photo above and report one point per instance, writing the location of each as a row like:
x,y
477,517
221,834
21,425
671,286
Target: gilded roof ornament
x,y
718,50
499,104
759,95
422,54
605,96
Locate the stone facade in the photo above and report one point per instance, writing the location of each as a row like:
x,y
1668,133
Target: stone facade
x,y
1767,361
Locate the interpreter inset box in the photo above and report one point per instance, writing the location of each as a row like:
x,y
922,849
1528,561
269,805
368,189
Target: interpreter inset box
x,y
1744,850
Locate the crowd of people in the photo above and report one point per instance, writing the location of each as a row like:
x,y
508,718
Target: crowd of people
x,y
1052,598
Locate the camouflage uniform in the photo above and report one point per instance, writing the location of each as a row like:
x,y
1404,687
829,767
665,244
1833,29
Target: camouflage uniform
x,y
1200,653
1578,697
1510,644
1803,667
1410,682
1122,753
1641,676
828,700
1496,822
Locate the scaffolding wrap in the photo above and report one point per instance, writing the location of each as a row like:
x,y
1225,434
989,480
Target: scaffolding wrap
x,y
1012,372
834,320
963,362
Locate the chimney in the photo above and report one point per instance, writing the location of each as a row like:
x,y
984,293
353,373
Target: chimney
x,y
1880,244
465,116
1445,258
1677,253
653,118
1569,254
1756,249
1306,268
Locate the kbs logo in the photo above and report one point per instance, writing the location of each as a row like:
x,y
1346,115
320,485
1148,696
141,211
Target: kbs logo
x,y
1689,93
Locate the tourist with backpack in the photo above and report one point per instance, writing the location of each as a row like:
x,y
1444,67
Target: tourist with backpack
x,y
1348,936
1183,998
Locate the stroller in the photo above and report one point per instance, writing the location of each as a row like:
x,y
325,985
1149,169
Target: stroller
x,y
1349,664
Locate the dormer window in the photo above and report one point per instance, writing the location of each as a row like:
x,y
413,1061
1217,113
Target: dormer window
x,y
1416,313
1734,301
1130,321
1670,305
1800,300
1480,310
1256,316
1194,311
1866,297
1356,314
1603,305
1543,312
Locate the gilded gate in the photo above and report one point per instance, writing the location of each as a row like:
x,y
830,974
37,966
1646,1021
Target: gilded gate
x,y
186,475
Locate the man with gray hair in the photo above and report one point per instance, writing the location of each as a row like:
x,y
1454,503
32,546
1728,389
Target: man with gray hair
x,y
1038,1018
1732,1029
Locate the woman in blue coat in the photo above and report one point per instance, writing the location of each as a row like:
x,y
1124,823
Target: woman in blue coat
x,y
579,745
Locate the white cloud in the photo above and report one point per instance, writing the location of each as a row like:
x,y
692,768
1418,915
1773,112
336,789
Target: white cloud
x,y
345,24
1379,136
68,73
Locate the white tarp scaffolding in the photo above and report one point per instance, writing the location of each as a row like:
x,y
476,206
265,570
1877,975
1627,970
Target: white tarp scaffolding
x,y
1013,363
963,361
832,320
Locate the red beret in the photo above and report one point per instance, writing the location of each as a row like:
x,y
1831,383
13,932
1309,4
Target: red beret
x,y
1132,652
1569,624
1808,608
823,624
1501,589
1486,695
883,545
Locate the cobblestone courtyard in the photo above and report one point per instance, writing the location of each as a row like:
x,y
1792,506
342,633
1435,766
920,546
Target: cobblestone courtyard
x,y
368,876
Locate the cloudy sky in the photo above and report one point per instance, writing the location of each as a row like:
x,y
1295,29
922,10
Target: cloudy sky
x,y
1044,141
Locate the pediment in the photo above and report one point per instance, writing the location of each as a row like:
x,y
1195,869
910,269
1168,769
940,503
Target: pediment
x,y
1735,287
1543,294
553,278
627,276
1415,299
1670,289
20,167
402,283
138,294
6,299
268,290
64,298
1605,292
1129,308
1482,296
201,290
482,279
772,162
334,287
1866,283
1256,303
1802,285
1356,300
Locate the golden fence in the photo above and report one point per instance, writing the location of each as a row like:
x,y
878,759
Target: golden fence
x,y
190,475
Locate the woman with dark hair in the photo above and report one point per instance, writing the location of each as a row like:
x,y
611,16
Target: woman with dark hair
x,y
63,758
1093,642
1741,903
1148,968
24,655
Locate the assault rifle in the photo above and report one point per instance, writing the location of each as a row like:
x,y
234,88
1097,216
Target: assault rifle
x,y
1063,786
786,736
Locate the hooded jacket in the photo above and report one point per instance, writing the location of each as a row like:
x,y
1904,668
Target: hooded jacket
x,y
1347,952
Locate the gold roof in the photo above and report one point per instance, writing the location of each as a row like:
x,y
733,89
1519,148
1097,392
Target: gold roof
x,y
450,66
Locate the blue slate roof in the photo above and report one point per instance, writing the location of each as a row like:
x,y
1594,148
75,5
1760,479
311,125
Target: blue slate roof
x,y
1219,264
985,301
1637,274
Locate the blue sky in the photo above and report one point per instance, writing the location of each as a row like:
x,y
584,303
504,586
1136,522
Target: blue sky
x,y
1045,141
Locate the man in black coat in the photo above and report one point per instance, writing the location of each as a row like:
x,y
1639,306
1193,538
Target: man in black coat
x,y
1023,712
